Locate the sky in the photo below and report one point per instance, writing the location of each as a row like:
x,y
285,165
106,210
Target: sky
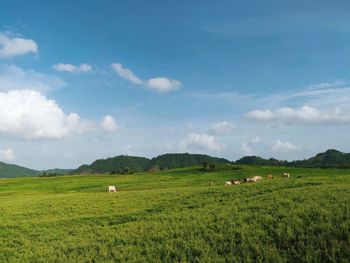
x,y
83,80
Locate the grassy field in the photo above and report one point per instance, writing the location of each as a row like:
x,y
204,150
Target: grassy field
x,y
175,216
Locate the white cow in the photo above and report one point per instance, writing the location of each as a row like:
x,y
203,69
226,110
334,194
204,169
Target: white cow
x,y
287,175
254,179
111,188
228,183
236,182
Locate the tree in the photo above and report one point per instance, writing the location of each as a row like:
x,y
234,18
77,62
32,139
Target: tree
x,y
205,165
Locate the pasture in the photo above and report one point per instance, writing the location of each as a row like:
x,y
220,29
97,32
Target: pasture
x,y
178,216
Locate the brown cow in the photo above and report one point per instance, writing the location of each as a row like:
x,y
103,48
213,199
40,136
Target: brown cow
x,y
269,176
285,175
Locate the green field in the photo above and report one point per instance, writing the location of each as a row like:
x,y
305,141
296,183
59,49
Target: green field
x,y
176,216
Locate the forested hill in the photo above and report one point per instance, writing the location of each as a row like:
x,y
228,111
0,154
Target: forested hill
x,y
118,164
12,170
328,159
129,164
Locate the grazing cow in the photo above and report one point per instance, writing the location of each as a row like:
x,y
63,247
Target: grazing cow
x,y
227,183
254,179
285,175
236,182
269,176
111,188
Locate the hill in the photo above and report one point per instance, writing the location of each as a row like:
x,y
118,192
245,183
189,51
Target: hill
x,y
180,160
12,170
130,164
118,164
256,160
328,159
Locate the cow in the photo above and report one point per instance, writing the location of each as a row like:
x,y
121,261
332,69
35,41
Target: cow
x,y
254,179
227,183
269,176
111,188
236,182
285,175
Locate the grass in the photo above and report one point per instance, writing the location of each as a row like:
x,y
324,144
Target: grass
x,y
175,216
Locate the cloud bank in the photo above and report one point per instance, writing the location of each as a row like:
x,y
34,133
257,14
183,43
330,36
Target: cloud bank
x,y
30,115
82,68
303,115
16,46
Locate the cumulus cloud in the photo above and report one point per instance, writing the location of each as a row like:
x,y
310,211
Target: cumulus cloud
x,y
284,147
15,78
109,124
16,46
126,74
223,127
162,84
303,115
7,155
30,115
158,84
82,68
198,142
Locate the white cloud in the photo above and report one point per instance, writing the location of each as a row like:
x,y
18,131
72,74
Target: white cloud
x,y
109,124
245,149
158,84
303,115
16,46
15,78
126,74
223,127
7,155
255,140
198,142
82,68
30,115
162,84
284,147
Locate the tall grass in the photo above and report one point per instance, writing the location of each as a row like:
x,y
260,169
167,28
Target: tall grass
x,y
176,216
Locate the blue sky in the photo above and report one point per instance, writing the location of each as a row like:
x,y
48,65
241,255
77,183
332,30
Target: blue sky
x,y
81,80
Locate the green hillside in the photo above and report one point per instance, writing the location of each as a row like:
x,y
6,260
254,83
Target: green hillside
x,y
179,160
129,164
327,159
183,215
12,170
118,164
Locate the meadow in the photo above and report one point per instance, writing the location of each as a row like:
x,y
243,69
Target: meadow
x,y
178,216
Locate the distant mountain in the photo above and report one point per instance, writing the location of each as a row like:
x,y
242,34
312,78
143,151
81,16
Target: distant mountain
x,y
256,160
118,164
12,170
56,171
179,160
130,164
328,159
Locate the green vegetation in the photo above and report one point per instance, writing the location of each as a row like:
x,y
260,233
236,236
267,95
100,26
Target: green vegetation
x,y
183,215
130,164
328,159
12,170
